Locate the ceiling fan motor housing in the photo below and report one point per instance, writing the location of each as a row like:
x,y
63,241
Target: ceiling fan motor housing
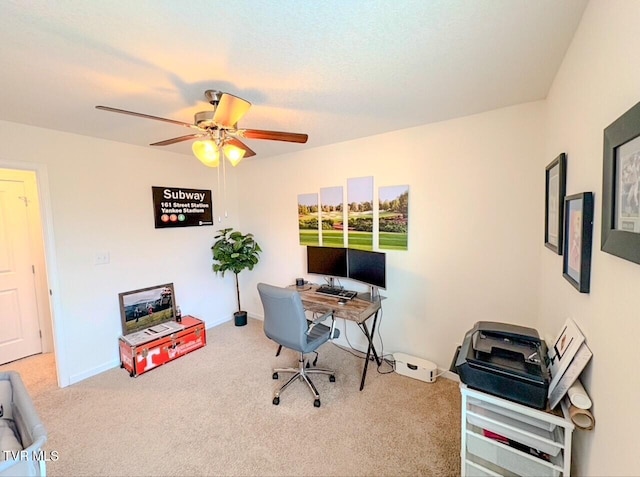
x,y
213,96
204,119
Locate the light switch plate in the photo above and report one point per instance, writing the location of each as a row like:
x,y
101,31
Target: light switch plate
x,y
101,258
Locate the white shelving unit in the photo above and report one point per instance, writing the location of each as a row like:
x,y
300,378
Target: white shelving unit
x,y
541,430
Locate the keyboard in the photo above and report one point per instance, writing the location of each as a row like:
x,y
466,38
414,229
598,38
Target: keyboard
x,y
337,292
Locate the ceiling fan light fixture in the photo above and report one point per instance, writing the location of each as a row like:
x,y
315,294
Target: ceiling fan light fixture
x,y
219,128
207,152
233,153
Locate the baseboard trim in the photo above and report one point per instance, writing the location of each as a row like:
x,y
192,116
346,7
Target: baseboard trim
x,y
76,378
451,376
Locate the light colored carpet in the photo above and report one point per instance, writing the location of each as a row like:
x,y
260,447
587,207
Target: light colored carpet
x,y
210,413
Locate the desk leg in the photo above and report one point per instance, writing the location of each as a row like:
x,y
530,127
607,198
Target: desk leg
x,y
371,348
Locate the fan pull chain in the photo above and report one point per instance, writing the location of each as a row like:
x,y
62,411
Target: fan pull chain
x,y
224,178
218,193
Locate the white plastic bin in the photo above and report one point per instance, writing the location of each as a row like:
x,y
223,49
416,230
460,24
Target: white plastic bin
x,y
545,441
549,426
510,459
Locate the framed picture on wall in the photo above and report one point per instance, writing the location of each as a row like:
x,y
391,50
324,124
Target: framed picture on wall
x,y
578,231
555,180
621,187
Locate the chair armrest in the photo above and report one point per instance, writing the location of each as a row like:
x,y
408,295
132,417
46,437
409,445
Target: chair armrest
x,y
320,319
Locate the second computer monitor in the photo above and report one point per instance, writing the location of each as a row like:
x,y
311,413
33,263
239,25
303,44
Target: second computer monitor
x,y
367,267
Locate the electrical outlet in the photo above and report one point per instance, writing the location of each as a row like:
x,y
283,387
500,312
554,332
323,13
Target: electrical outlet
x,y
101,258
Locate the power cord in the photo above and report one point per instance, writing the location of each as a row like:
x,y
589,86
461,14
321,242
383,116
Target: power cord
x,y
390,362
387,359
363,355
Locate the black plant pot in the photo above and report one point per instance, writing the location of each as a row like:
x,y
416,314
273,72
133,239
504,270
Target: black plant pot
x,y
240,318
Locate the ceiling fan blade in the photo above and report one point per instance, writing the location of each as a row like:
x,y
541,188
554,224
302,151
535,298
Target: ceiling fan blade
x,y
166,142
146,116
241,145
229,110
273,135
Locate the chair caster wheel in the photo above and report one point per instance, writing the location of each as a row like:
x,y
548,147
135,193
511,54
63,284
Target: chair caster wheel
x,y
316,403
275,376
332,379
276,401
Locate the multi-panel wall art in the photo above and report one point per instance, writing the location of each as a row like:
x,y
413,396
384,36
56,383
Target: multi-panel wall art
x,y
370,223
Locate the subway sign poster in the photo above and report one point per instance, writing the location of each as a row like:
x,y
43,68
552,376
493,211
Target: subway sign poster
x,y
180,207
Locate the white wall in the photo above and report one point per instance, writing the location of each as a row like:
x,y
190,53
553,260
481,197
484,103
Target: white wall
x,y
598,82
100,200
475,240
474,223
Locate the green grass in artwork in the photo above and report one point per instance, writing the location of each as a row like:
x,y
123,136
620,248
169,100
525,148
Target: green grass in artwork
x,y
333,238
309,237
361,240
393,241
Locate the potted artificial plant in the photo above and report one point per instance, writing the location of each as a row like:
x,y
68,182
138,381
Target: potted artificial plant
x,y
235,251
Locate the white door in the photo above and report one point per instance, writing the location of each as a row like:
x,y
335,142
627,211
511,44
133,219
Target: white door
x,y
19,325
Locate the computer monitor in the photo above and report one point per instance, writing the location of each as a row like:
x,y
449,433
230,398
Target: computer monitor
x,y
327,261
367,267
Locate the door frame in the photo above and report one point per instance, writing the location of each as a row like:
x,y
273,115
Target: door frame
x,y
46,220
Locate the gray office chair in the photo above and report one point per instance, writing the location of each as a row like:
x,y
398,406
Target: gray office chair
x,y
285,323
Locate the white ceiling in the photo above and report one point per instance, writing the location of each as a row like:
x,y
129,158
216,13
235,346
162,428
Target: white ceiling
x,y
335,69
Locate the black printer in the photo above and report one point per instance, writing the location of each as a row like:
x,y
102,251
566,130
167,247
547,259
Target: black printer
x,y
508,361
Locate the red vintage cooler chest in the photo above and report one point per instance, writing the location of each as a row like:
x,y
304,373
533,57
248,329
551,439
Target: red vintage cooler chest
x,y
142,357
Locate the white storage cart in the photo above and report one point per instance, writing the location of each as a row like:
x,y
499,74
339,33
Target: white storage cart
x,y
523,426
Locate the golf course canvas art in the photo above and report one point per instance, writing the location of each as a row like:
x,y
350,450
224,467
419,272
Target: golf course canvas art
x,y
332,216
360,213
326,219
308,219
393,217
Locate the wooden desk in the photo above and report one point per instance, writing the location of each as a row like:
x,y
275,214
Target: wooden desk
x,y
357,310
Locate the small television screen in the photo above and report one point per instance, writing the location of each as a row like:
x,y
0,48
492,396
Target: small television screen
x,y
146,307
368,267
328,261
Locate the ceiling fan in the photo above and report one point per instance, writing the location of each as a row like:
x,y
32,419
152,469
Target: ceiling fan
x,y
218,129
